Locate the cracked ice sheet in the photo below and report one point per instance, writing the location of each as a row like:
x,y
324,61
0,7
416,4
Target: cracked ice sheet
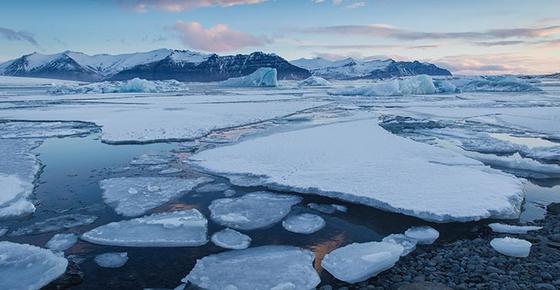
x,y
360,162
162,118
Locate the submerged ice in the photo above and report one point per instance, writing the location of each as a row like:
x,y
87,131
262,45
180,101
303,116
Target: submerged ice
x,y
304,223
111,260
62,242
231,239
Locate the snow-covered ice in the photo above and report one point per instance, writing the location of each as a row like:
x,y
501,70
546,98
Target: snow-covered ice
x,y
134,196
135,85
360,261
267,267
358,161
408,244
111,260
186,228
416,85
66,221
304,223
511,247
512,229
62,242
28,267
252,211
16,130
231,239
262,77
424,235
314,81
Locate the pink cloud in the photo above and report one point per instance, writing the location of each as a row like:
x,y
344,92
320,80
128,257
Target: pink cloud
x,y
219,38
181,5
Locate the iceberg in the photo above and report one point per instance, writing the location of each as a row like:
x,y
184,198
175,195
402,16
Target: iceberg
x,y
231,239
304,223
55,224
135,85
314,81
28,267
511,247
111,260
252,211
358,161
62,242
408,244
266,267
423,235
134,196
360,261
171,229
416,85
512,229
262,77
495,84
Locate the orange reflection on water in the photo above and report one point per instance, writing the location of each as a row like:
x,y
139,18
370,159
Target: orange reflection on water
x,y
175,206
325,247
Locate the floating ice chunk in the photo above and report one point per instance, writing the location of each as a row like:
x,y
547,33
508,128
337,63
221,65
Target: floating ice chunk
x,y
3,231
512,229
494,84
150,159
511,247
216,187
525,166
135,85
28,267
416,85
314,81
267,267
348,161
111,260
171,229
55,224
133,196
304,223
253,210
423,235
408,244
327,208
170,171
62,242
262,77
231,239
360,261
229,192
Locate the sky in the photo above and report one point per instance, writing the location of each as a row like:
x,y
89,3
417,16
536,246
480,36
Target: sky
x,y
467,37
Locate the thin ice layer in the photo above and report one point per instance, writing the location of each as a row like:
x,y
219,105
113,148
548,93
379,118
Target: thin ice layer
x,y
24,266
171,229
134,196
267,267
61,242
358,161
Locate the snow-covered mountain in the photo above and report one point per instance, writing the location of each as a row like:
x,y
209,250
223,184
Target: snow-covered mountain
x,y
159,64
350,68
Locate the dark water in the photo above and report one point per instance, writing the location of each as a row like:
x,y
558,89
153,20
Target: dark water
x,y
68,184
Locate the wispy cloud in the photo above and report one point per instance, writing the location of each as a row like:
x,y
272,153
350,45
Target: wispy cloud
x,y
181,5
14,35
219,38
500,63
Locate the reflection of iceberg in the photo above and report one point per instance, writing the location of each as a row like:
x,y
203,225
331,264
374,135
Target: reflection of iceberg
x,y
263,77
416,85
135,85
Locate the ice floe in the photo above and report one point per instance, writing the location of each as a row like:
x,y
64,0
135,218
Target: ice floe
x,y
304,223
424,235
314,81
408,244
56,223
512,229
262,77
267,267
135,85
252,211
171,229
28,267
360,261
416,85
511,247
327,208
358,161
134,196
62,242
231,239
111,260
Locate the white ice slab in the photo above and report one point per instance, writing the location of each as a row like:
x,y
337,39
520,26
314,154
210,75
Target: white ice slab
x,y
511,247
423,235
134,196
252,211
28,267
231,239
111,260
171,229
314,81
408,244
360,261
62,242
304,223
360,162
512,229
267,267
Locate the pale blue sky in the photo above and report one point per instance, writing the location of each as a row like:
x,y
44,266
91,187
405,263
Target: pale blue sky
x,y
466,36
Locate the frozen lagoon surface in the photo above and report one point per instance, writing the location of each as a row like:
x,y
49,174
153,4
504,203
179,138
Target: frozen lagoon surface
x,y
76,156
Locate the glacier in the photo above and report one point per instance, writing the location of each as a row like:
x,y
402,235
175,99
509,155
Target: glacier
x,y
187,228
262,77
266,267
134,196
304,223
358,161
231,239
511,247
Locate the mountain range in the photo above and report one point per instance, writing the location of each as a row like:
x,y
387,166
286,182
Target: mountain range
x,y
186,65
